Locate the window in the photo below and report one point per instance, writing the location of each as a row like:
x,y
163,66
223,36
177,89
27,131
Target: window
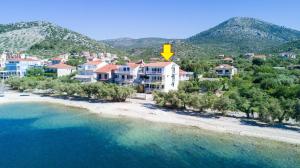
x,y
105,76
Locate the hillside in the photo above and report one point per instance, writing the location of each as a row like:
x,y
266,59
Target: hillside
x,y
130,43
235,36
293,46
46,39
244,35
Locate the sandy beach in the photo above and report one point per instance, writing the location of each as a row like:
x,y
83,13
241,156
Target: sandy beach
x,y
142,109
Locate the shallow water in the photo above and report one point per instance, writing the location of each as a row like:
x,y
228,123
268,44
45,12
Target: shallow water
x,y
43,136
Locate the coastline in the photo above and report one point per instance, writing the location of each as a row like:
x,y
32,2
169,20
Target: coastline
x,y
142,109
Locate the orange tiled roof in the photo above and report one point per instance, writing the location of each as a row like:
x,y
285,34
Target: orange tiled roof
x,y
107,68
61,66
157,64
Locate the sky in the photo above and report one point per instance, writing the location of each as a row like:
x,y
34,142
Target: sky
x,y
108,19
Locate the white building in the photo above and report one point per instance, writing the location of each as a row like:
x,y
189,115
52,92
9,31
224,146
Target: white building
x,y
86,72
288,55
127,74
19,66
60,69
226,70
163,76
106,73
2,60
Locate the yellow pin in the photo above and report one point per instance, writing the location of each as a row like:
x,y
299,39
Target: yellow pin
x,y
167,52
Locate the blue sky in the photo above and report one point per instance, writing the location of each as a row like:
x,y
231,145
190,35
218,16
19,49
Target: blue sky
x,y
105,19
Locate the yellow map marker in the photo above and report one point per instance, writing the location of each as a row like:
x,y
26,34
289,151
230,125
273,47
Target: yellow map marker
x,y
167,52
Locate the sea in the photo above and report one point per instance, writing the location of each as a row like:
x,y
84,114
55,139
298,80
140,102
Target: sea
x,y
41,135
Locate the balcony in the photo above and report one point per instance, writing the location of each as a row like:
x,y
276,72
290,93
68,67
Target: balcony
x,y
154,72
153,81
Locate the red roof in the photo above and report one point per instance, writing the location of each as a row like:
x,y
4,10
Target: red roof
x,y
157,64
61,66
107,68
96,62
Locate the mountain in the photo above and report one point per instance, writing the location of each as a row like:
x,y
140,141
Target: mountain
x,y
242,34
46,39
130,43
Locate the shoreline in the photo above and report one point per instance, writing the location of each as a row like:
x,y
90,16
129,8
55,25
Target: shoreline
x,y
143,109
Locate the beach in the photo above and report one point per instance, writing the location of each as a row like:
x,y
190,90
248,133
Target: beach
x,y
147,110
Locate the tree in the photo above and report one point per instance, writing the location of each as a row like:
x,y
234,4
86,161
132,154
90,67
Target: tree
x,y
35,72
223,104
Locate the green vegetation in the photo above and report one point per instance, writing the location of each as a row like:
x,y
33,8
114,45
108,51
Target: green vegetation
x,y
66,87
261,91
75,61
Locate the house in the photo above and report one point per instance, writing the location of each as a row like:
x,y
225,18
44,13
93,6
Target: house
x,y
127,74
19,66
86,72
60,69
184,76
163,76
225,70
57,60
262,57
106,73
227,60
288,55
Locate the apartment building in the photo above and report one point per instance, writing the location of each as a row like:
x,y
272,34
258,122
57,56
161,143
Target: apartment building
x,y
86,72
127,74
19,66
163,76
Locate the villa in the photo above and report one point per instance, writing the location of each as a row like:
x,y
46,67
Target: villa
x,y
127,74
60,69
226,70
106,73
86,72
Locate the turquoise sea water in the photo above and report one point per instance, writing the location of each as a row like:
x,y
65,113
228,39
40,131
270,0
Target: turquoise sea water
x,y
53,136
